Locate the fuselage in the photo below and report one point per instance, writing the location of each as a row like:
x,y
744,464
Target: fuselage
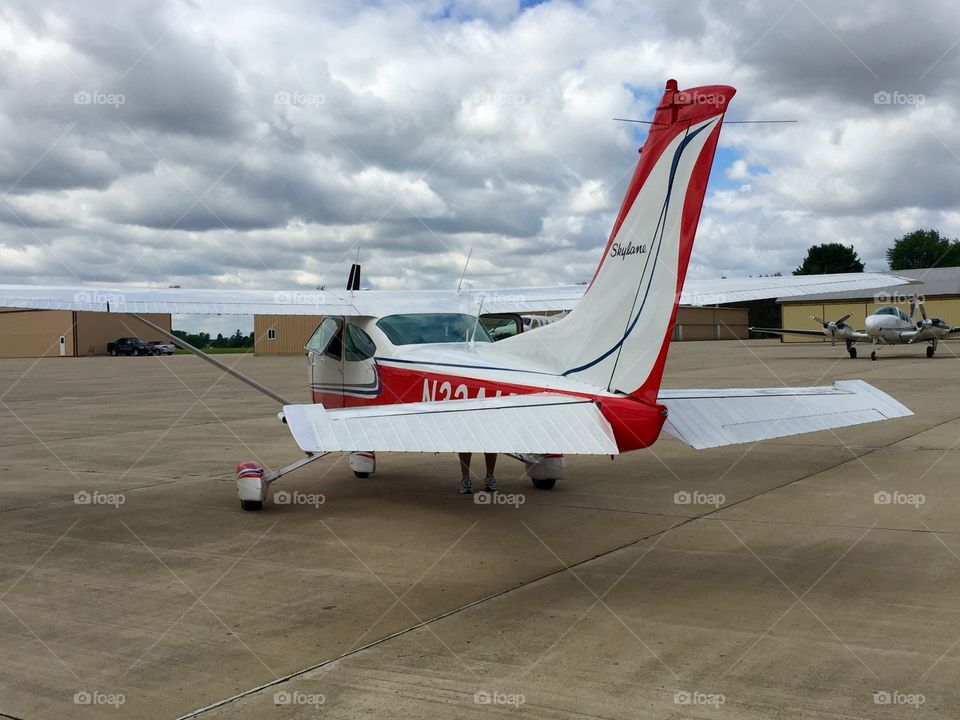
x,y
891,326
362,364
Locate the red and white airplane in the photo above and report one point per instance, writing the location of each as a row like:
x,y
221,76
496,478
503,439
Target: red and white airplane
x,y
381,362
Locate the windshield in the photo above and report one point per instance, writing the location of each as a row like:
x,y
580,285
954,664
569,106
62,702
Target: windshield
x,y
417,329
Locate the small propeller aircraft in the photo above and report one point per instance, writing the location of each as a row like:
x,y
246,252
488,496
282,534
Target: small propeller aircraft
x,y
887,325
416,371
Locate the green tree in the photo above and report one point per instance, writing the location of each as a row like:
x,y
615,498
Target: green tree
x,y
923,249
830,258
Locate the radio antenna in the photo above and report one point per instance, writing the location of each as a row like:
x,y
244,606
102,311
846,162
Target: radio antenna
x,y
464,273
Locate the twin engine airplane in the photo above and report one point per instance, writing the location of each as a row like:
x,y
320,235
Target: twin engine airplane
x,y
416,372
885,326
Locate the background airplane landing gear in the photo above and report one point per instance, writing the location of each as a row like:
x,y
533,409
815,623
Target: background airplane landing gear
x,y
930,351
853,353
873,355
363,464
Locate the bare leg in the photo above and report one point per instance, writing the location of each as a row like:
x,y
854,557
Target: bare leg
x,y
466,485
490,460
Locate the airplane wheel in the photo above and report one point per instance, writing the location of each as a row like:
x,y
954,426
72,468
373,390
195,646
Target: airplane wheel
x,y
545,484
853,353
930,351
361,475
873,355
251,505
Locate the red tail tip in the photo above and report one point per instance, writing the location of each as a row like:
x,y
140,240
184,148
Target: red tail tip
x,y
672,85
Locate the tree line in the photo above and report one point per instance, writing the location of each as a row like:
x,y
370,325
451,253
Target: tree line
x,y
203,340
918,249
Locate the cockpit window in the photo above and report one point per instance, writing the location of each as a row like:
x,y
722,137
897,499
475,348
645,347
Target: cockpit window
x,y
896,312
324,336
420,328
358,345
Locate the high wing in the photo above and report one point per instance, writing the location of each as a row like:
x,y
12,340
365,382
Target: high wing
x,y
538,423
855,336
711,418
376,303
549,423
718,292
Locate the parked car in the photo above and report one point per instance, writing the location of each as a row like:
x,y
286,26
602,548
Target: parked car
x,y
164,347
130,346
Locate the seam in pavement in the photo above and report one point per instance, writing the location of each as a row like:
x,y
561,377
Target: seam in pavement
x,y
505,591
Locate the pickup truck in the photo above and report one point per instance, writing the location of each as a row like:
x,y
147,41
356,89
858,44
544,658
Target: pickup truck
x,y
130,346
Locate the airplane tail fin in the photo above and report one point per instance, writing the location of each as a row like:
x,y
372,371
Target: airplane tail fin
x,y
618,335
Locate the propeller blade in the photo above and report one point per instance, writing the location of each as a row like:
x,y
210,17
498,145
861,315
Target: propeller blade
x,y
844,318
923,310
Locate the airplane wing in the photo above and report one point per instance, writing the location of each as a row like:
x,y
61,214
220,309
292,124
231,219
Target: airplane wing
x,y
548,423
711,418
538,423
857,335
718,292
125,299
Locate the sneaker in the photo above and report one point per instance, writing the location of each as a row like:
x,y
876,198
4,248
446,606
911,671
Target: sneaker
x,y
490,484
466,487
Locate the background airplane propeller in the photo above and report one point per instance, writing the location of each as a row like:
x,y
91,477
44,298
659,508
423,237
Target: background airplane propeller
x,y
835,327
926,322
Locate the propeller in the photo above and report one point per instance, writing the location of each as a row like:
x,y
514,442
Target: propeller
x,y
926,322
832,327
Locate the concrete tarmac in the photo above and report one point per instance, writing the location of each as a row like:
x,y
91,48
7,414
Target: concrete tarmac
x,y
811,577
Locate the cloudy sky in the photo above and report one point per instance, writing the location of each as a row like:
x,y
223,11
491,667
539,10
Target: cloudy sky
x,y
247,144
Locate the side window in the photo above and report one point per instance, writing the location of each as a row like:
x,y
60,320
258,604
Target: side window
x,y
358,345
502,325
323,336
272,334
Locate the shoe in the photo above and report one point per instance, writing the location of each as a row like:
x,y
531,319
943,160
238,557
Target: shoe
x,y
490,484
466,487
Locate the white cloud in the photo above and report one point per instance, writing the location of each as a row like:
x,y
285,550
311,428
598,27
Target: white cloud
x,y
415,131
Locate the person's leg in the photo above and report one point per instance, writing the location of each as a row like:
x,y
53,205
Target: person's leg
x,y
466,486
489,482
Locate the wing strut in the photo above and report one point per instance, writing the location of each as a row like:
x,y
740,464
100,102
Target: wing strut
x,y
213,361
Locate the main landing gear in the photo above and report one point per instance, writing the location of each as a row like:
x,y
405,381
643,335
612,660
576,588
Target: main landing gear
x,y
853,352
363,464
543,470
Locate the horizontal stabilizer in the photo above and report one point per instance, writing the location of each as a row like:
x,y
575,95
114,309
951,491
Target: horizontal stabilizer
x,y
541,423
712,418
